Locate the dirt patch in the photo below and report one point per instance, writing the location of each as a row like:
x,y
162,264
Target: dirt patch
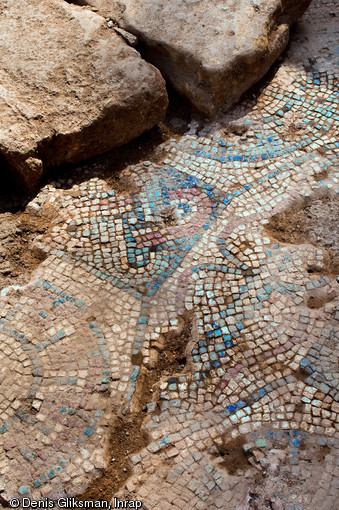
x,y
233,456
315,223
168,359
242,345
294,128
237,128
18,256
321,176
299,408
301,374
322,452
126,438
318,300
123,184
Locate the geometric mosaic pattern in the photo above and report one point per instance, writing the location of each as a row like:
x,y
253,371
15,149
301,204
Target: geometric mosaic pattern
x,y
43,368
321,363
124,239
124,267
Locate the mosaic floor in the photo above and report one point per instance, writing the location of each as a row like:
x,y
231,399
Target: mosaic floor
x,y
248,418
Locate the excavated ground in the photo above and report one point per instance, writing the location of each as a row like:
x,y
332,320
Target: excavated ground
x,y
175,335
127,436
315,223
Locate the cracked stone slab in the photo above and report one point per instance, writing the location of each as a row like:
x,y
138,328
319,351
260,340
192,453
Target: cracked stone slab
x,y
70,87
212,52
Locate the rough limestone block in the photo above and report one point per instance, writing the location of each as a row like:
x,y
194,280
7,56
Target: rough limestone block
x,y
70,87
211,51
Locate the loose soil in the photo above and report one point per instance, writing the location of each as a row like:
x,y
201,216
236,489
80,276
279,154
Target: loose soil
x,y
127,436
320,176
234,458
318,299
301,374
126,439
168,360
18,257
316,223
322,452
